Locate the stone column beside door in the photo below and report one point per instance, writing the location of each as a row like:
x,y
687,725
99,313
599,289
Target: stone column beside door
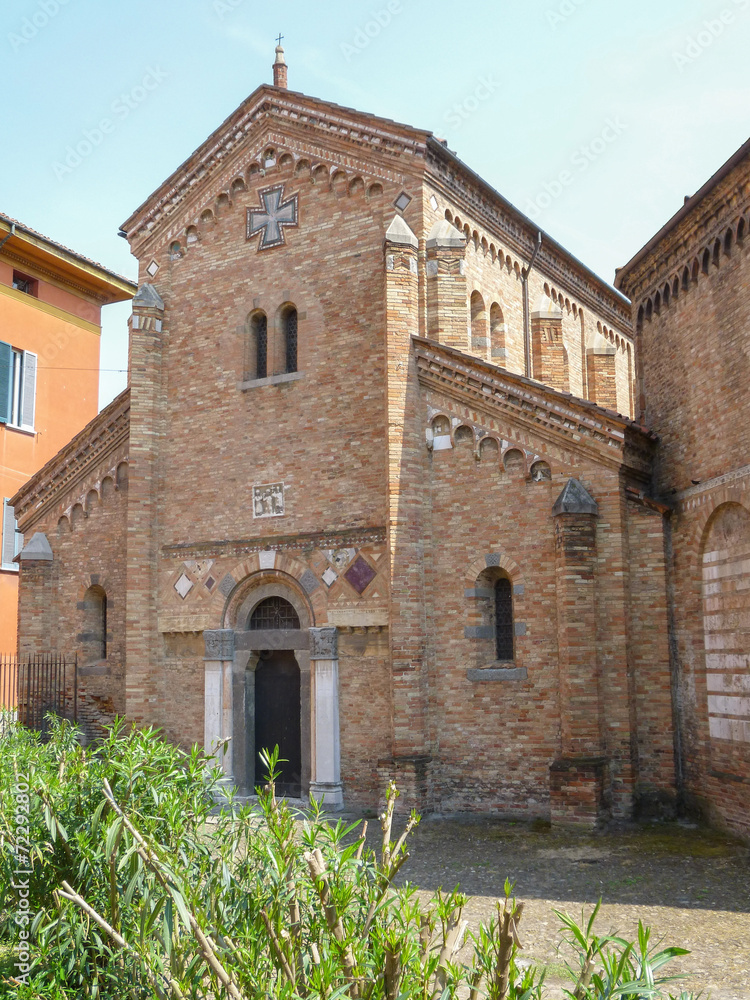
x,y
326,741
219,697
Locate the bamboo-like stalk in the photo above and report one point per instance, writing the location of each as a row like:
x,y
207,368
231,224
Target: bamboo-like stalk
x,y
585,978
413,820
386,824
392,971
278,950
453,936
476,982
362,839
425,935
508,920
317,866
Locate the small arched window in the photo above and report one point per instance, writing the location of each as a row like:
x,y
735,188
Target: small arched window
x,y
289,322
94,635
497,332
274,613
504,619
256,362
478,322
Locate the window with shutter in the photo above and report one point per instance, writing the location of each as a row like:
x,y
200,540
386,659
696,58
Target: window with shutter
x,y
6,381
17,387
28,402
12,541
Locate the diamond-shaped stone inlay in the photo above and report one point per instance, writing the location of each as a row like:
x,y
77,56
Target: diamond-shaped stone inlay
x,y
210,583
403,201
152,268
360,575
183,586
309,581
330,577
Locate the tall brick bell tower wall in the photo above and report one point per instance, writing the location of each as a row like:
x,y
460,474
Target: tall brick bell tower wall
x,y
690,287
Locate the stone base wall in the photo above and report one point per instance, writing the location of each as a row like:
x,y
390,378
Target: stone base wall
x,y
579,793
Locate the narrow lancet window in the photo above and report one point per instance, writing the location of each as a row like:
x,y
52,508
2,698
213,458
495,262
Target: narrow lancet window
x,y
504,619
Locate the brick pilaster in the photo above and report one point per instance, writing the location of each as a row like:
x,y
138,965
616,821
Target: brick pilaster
x,y
142,635
447,310
405,519
549,359
578,779
602,376
36,599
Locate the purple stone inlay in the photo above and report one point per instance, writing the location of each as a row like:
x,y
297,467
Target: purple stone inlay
x,y
360,575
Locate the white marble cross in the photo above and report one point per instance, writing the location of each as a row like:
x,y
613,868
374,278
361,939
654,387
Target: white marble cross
x,y
273,217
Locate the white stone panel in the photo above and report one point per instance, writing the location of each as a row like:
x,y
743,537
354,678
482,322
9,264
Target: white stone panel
x,y
267,559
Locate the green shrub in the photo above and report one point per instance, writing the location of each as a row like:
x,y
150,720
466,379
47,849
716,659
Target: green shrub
x,y
140,892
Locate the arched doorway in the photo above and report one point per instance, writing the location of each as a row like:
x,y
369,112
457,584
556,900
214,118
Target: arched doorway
x,y
277,702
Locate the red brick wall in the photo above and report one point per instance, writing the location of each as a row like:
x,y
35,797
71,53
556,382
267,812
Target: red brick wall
x,y
88,548
696,370
494,741
690,302
365,711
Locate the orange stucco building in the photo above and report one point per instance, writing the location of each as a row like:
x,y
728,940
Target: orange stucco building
x,y
50,330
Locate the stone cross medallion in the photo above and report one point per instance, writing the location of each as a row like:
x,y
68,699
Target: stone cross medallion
x,y
274,215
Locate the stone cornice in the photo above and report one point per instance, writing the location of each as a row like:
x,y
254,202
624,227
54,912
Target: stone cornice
x,y
573,423
736,476
55,277
519,233
319,118
703,219
63,473
247,546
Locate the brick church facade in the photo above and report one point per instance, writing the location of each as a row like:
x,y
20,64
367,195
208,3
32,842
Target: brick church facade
x,y
376,491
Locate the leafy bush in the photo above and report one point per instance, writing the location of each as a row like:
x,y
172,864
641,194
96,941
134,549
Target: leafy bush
x,y
140,892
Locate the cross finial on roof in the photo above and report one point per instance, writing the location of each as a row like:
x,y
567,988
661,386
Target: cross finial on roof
x,y
280,67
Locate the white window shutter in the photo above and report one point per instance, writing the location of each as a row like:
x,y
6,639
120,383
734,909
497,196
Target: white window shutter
x,y
29,389
9,536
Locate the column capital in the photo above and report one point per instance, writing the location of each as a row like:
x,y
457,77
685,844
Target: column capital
x,y
219,644
324,643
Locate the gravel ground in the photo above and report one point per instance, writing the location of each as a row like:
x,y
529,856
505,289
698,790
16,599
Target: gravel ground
x,y
690,885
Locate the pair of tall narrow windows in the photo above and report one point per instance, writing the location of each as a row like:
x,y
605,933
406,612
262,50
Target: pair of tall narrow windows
x,y
274,356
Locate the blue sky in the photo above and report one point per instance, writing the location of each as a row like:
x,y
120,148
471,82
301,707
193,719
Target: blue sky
x,y
595,118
